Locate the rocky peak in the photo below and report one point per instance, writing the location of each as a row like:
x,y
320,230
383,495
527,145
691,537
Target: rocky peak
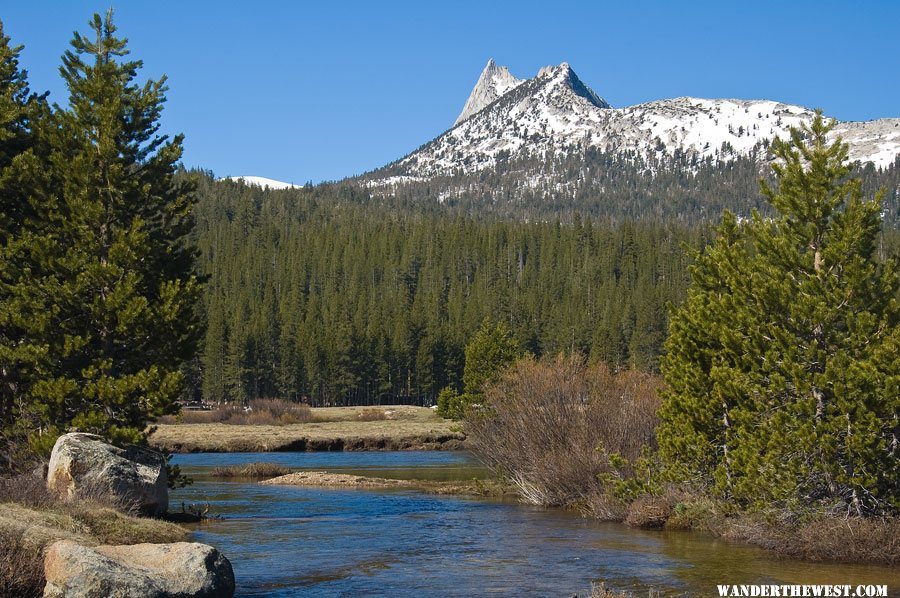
x,y
564,75
493,83
556,112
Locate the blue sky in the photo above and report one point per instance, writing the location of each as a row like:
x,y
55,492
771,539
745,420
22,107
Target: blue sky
x,y
300,91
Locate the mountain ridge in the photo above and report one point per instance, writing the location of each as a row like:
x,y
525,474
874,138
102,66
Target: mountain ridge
x,y
556,111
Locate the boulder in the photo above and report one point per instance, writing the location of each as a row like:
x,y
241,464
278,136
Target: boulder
x,y
180,569
84,464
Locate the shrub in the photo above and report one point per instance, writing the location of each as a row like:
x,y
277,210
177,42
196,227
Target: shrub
x,y
649,512
371,415
268,412
698,514
543,420
452,404
219,414
21,565
28,489
828,538
251,470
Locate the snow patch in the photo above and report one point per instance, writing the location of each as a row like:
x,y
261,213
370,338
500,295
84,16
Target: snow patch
x,y
258,181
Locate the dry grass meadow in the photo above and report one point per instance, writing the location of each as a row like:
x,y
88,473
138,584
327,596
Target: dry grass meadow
x,y
390,427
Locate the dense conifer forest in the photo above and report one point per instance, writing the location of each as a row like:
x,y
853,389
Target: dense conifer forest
x,y
336,294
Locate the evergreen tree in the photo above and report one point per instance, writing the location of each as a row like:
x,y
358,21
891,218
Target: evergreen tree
x,y
491,349
109,274
783,363
20,357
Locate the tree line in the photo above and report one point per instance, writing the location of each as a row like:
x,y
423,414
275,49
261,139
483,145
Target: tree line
x,y
613,186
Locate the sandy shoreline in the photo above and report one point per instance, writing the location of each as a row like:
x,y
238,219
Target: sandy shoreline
x,y
325,479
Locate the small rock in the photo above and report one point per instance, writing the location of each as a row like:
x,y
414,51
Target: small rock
x,y
83,463
180,569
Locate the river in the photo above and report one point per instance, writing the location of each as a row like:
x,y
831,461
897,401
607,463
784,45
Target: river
x,y
289,541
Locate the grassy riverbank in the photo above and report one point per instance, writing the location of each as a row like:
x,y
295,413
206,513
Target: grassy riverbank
x,y
31,519
810,535
328,429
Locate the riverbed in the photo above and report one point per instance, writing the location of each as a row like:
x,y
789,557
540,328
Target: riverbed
x,y
288,541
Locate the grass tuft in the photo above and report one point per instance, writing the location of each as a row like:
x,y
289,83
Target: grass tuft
x,y
251,470
32,518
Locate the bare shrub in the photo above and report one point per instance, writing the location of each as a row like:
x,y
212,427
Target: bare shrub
x,y
623,409
543,420
27,489
827,538
371,415
599,590
21,565
253,418
603,505
251,470
648,512
260,412
219,414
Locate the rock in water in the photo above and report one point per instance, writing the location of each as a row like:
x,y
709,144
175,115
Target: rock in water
x,y
83,464
181,569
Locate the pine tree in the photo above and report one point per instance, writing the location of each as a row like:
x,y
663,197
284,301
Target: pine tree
x,y
110,271
491,349
21,359
783,364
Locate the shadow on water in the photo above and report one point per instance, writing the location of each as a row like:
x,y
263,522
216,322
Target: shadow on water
x,y
285,541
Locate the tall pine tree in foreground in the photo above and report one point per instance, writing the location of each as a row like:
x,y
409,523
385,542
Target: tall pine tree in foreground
x,y
19,358
109,270
783,365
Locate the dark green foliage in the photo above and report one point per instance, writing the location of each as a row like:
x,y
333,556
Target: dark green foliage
x,y
322,294
452,404
98,274
783,363
347,295
491,349
20,356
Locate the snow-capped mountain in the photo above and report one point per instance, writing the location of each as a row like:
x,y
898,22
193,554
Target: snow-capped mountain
x,y
555,111
258,181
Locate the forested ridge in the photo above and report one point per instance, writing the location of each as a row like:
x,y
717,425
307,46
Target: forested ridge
x,y
316,294
336,295
612,186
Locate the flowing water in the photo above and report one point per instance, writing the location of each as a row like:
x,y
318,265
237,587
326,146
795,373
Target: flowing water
x,y
289,541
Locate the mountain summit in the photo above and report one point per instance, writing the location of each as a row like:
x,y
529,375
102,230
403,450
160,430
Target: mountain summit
x,y
493,83
508,118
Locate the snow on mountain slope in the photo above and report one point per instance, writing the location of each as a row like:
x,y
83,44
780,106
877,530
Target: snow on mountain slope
x,y
556,111
258,181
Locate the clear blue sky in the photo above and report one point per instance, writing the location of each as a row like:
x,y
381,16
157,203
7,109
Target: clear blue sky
x,y
302,91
